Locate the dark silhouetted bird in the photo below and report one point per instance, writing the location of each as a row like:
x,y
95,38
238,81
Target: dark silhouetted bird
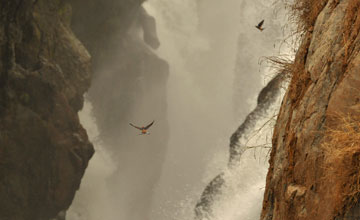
x,y
259,26
143,129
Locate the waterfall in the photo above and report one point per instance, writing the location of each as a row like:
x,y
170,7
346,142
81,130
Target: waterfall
x,y
205,43
92,201
214,53
200,102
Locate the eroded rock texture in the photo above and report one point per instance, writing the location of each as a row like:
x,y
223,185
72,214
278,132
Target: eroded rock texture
x,y
325,82
44,71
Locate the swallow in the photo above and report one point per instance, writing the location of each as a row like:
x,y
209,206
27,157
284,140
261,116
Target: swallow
x,y
259,26
143,129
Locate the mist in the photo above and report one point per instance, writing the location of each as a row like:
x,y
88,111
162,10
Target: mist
x,y
215,73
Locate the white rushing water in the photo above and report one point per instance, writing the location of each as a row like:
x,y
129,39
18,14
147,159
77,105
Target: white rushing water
x,y
213,50
92,201
204,43
199,102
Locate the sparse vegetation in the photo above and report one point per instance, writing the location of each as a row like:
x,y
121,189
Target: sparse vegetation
x,y
342,159
281,64
302,14
340,156
305,12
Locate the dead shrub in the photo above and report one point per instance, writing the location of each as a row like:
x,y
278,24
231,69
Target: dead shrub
x,y
281,64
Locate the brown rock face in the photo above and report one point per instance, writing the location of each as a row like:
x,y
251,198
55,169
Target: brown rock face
x,y
44,71
325,83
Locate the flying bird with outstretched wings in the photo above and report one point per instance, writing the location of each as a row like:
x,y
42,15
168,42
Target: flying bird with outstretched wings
x,y
259,26
144,129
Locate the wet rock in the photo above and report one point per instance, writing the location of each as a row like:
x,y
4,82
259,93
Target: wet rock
x,y
267,96
203,209
44,72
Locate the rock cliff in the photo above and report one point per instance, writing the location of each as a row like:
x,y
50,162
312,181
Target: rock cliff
x,y
44,72
314,161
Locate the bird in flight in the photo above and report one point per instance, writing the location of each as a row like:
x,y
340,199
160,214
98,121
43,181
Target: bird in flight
x,y
259,26
143,129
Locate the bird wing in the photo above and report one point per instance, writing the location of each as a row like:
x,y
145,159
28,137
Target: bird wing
x,y
261,23
149,125
135,126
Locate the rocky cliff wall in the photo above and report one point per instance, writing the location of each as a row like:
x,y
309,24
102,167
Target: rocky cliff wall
x,y
312,174
44,71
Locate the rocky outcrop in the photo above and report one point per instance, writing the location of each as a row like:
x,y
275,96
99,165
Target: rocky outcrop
x,y
238,145
148,25
266,98
301,182
204,207
44,71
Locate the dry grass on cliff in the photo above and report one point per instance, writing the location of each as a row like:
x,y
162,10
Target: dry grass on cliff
x,y
342,160
304,13
293,70
282,64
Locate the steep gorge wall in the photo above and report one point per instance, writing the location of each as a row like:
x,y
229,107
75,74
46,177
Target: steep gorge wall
x,y
44,71
303,181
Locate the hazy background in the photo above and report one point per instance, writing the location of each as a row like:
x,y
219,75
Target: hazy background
x,y
214,52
